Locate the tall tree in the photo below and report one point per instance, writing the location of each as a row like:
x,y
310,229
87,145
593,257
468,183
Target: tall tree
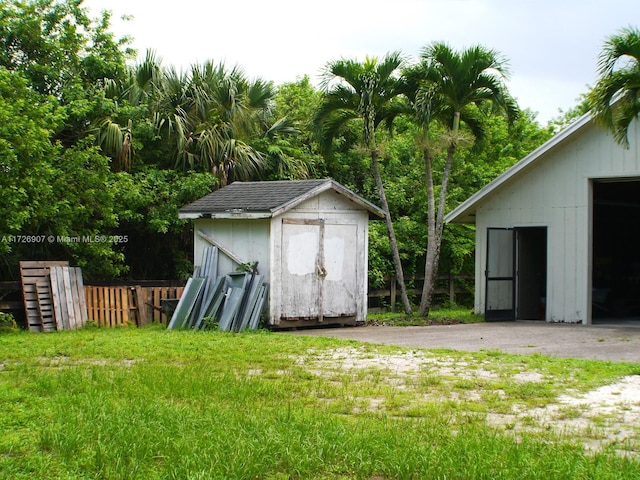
x,y
451,89
47,190
41,39
367,92
211,116
615,99
130,95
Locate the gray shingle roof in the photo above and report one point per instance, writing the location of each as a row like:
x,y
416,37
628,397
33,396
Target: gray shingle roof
x,y
267,197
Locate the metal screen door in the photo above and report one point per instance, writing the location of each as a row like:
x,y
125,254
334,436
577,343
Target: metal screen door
x,y
500,275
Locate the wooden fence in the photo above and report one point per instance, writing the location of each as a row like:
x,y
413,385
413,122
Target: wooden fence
x,y
451,287
111,306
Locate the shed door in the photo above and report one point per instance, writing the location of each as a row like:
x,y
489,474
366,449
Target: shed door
x,y
500,275
339,286
319,269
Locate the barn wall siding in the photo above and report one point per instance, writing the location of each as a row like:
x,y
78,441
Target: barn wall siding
x,y
556,193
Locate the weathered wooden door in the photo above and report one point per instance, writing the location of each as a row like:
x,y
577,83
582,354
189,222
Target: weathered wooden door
x,y
340,264
319,269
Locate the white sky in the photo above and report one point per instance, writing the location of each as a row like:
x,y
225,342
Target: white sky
x,y
551,46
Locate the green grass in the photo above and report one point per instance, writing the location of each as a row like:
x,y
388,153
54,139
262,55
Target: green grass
x,y
155,404
443,316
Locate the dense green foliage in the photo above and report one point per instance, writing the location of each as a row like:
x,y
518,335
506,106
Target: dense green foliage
x,y
92,146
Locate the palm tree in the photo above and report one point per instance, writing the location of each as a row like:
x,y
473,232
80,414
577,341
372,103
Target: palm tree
x,y
366,92
209,115
451,89
136,89
615,99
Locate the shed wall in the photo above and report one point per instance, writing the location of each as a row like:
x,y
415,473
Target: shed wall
x,y
248,239
556,193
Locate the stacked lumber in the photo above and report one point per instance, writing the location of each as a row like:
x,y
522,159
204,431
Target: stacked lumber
x,y
53,295
233,301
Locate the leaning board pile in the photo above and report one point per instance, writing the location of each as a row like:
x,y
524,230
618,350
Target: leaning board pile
x,y
233,301
53,295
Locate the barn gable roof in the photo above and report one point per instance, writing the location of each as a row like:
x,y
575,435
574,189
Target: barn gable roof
x,y
466,211
267,199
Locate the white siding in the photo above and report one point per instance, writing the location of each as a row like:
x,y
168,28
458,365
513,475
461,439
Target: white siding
x,y
247,239
555,192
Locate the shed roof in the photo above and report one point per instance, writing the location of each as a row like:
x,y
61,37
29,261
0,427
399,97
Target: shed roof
x,y
267,199
466,211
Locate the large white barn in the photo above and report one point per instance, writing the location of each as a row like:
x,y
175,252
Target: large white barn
x,y
557,234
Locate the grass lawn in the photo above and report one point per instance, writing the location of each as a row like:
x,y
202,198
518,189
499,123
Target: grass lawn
x,y
155,404
443,316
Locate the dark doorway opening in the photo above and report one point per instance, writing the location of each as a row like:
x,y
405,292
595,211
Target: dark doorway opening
x,y
616,251
532,273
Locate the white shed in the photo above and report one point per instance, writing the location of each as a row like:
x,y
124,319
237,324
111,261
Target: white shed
x,y
557,234
309,237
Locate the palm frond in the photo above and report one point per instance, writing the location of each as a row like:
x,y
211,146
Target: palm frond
x,y
624,44
281,127
615,99
448,81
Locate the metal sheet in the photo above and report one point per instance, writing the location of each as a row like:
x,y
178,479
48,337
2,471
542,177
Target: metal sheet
x,y
212,305
231,305
251,299
185,305
254,319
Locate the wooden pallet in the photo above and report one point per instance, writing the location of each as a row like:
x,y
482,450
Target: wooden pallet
x,y
53,296
45,306
111,306
67,291
30,274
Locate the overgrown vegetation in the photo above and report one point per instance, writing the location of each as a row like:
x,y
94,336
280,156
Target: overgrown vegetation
x,y
93,144
443,316
152,404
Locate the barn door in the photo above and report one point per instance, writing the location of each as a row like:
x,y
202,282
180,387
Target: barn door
x,y
319,270
500,275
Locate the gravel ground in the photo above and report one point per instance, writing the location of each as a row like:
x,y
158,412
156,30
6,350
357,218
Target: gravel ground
x,y
614,342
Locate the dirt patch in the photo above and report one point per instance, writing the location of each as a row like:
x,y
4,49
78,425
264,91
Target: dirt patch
x,y
605,416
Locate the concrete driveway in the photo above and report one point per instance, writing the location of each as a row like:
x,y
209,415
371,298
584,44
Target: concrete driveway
x,y
600,342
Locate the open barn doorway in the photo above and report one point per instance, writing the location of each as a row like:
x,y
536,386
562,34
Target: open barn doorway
x,y
615,291
532,273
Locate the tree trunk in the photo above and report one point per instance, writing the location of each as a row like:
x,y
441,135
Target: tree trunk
x,y
392,236
425,299
435,227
